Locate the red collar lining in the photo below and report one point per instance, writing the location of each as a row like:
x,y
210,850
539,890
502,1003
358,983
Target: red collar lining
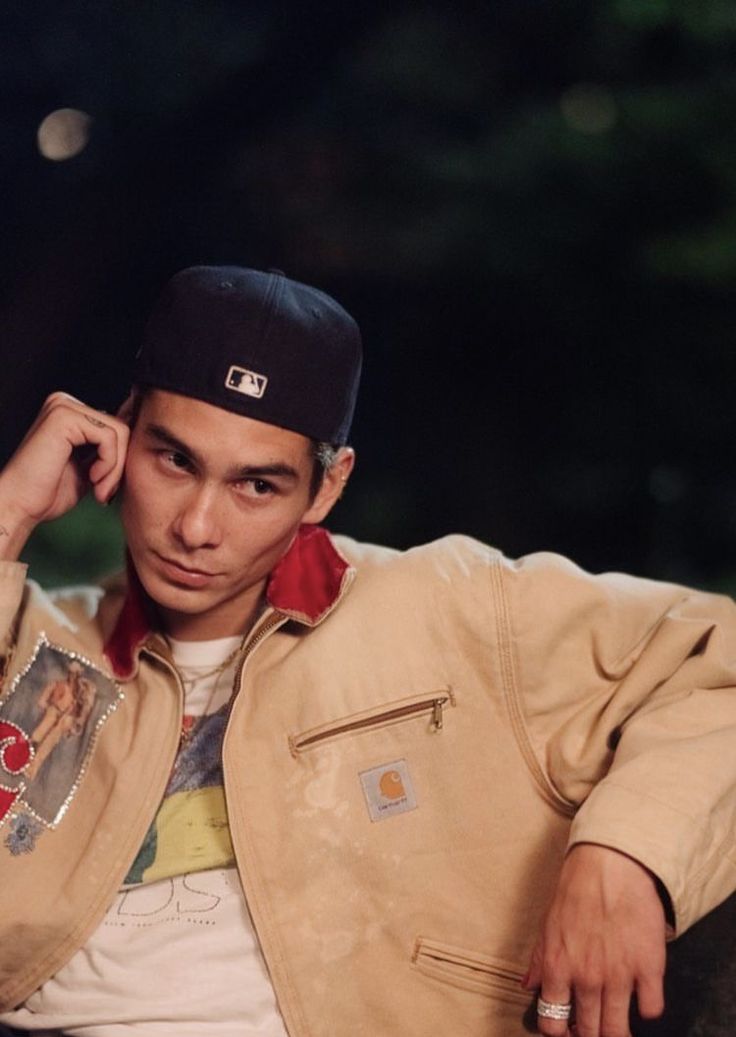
x,y
304,585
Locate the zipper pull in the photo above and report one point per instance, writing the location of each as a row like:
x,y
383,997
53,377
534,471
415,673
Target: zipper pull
x,y
437,718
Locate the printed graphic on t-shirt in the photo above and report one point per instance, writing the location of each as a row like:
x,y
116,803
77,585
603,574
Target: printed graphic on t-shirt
x,y
183,899
190,831
49,721
176,958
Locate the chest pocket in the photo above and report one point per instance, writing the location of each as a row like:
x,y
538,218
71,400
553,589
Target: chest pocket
x,y
383,764
429,708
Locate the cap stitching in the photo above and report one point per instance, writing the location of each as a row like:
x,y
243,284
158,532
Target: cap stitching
x,y
270,307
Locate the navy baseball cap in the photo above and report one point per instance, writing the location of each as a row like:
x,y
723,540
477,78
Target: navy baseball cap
x,y
258,344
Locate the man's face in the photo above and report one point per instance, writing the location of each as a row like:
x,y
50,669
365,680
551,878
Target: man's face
x,y
211,502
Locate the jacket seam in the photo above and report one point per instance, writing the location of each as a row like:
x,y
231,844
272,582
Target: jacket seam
x,y
256,898
719,850
504,643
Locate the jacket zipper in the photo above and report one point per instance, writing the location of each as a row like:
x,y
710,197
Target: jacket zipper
x,y
171,756
247,649
168,665
434,705
277,619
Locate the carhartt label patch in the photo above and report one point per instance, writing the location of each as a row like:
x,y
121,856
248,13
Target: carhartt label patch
x,y
250,383
388,790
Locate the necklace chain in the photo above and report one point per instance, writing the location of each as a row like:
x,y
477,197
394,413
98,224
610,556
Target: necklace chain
x,y
187,732
219,669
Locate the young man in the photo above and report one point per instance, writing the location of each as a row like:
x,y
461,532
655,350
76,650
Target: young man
x,y
324,788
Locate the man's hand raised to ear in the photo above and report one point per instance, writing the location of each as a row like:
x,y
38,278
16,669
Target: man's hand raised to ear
x,y
69,449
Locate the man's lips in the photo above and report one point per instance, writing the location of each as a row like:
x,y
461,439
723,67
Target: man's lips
x,y
184,575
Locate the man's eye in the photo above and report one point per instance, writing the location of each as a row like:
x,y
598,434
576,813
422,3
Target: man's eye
x,y
261,486
176,459
255,487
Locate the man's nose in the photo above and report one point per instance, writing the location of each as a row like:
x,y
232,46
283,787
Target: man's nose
x,y
197,521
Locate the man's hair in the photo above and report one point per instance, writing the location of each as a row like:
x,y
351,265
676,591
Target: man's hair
x,y
324,455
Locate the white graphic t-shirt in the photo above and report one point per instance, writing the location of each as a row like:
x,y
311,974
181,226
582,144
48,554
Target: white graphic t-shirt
x,y
176,954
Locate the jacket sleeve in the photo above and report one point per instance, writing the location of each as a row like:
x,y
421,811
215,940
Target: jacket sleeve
x,y
623,693
12,585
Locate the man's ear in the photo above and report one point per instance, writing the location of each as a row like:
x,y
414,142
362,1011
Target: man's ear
x,y
126,410
333,485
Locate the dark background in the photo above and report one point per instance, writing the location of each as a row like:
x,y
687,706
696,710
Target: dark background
x,y
529,206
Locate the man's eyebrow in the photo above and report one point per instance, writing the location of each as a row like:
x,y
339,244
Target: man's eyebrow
x,y
262,471
278,469
163,435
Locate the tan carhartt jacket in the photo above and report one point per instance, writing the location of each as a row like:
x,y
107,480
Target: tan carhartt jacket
x,y
416,739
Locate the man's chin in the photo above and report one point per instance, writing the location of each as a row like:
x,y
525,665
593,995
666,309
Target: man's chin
x,y
170,596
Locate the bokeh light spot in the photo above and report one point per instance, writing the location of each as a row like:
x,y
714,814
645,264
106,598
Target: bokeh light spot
x,y
63,134
588,108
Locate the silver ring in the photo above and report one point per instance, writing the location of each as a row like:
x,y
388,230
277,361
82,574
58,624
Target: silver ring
x,y
553,1009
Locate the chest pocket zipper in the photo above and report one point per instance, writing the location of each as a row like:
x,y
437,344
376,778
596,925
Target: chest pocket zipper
x,y
431,705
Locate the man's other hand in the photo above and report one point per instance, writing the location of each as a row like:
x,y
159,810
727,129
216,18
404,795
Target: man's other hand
x,y
69,449
603,940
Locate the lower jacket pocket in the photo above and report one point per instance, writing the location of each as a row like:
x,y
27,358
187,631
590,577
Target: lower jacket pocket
x,y
470,970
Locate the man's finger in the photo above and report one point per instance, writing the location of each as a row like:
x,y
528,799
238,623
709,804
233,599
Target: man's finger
x,y
554,1008
615,1011
61,397
94,420
650,996
108,437
588,1009
533,978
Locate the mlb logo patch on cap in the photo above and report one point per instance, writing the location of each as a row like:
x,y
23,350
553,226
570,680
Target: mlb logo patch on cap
x,y
239,379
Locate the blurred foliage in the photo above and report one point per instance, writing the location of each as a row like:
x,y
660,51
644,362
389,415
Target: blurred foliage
x,y
83,545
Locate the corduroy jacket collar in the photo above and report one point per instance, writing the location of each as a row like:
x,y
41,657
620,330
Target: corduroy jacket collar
x,y
305,585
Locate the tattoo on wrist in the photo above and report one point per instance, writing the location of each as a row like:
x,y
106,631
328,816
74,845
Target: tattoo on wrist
x,y
95,421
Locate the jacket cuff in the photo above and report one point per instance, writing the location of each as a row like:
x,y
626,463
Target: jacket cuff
x,y
686,855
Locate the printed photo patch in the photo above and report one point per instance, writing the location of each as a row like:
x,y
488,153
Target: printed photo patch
x,y
49,722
